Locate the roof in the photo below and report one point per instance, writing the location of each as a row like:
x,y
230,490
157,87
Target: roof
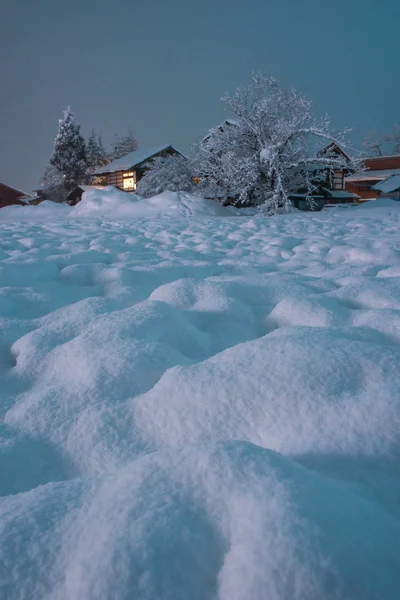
x,y
335,148
133,159
341,194
388,185
380,174
11,187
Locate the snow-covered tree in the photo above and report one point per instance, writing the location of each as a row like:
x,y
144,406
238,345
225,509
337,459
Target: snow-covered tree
x,y
124,145
171,172
52,185
272,149
69,155
96,155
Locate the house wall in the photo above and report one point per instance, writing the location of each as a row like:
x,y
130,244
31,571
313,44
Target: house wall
x,y
9,196
382,162
362,188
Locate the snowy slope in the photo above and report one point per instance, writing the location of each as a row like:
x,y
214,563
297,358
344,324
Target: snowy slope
x,y
197,407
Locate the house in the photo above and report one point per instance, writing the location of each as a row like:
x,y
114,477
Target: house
x,y
388,188
10,195
329,183
376,170
125,173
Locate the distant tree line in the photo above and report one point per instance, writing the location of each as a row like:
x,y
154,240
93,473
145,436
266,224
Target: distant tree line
x,y
74,160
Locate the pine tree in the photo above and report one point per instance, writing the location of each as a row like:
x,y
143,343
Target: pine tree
x,y
69,155
96,155
124,145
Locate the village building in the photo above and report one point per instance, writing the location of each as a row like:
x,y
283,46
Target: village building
x,y
125,173
10,196
376,170
330,185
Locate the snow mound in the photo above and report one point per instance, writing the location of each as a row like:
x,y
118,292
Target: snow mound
x,y
225,521
44,210
380,203
198,407
113,203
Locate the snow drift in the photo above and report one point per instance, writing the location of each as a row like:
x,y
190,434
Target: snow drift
x,y
198,407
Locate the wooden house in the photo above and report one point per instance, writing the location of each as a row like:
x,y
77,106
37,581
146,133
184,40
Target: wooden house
x,y
330,184
125,173
10,195
376,169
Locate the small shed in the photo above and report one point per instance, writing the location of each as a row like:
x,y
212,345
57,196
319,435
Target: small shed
x,y
75,195
321,197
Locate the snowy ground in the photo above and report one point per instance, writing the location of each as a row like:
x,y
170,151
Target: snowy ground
x,y
198,406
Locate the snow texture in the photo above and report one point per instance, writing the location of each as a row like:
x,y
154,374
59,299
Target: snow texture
x,y
199,405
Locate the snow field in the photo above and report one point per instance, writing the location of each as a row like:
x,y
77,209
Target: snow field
x,y
199,407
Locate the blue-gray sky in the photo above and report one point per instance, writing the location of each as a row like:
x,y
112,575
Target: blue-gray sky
x,y
162,65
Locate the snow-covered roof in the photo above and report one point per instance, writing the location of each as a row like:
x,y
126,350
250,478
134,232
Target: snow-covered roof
x,y
133,159
388,185
380,174
341,194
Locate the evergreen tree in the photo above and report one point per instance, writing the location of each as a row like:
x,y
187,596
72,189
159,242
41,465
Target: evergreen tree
x,y
124,145
69,155
96,155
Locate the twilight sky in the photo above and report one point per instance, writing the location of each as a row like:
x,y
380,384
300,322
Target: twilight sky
x,y
162,65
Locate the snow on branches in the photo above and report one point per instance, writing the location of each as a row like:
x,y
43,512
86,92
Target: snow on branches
x,y
272,149
69,155
171,172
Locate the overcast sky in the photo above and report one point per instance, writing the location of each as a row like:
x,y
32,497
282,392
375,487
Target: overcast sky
x,y
162,65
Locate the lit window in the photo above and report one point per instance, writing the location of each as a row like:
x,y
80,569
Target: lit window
x,y
196,180
128,181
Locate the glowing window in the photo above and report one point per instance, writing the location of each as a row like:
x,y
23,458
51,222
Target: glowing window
x,y
129,183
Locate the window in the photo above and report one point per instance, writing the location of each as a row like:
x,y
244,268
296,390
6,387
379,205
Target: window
x,y
128,181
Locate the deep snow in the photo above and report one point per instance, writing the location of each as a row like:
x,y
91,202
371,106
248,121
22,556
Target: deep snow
x,y
197,404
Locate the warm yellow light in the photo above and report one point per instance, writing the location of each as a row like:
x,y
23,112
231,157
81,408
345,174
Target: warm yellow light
x,y
129,183
196,180
130,174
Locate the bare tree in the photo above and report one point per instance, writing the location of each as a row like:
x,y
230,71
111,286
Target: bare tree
x,y
394,138
373,144
273,148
